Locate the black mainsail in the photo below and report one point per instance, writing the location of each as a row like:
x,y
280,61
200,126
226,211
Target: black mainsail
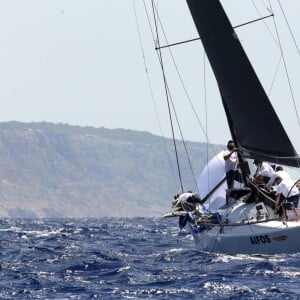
x,y
253,122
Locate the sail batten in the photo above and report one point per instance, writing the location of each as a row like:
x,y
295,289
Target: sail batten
x,y
252,119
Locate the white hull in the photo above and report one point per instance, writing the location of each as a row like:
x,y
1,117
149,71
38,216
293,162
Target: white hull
x,y
263,238
249,235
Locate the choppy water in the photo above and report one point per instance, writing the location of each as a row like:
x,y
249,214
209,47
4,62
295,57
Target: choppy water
x,y
136,258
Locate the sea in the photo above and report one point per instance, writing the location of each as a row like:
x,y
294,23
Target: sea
x,y
131,258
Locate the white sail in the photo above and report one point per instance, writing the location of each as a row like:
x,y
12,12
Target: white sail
x,y
211,176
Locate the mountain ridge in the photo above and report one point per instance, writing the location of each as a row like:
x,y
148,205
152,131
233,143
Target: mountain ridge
x,y
59,170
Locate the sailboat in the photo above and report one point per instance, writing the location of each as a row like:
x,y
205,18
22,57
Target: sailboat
x,y
248,223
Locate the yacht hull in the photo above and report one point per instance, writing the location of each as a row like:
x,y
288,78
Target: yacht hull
x,y
271,237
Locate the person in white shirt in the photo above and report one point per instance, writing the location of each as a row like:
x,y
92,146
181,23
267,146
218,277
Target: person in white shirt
x,y
278,172
186,201
287,194
184,196
231,162
263,173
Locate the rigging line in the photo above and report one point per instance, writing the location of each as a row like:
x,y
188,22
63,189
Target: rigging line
x,y
205,94
167,89
275,75
186,92
183,141
165,84
196,39
189,99
266,6
167,98
181,134
174,110
151,91
289,27
286,70
178,123
266,25
148,18
206,116
274,39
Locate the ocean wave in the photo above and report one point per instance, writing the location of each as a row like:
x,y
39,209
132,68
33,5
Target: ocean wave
x,y
137,258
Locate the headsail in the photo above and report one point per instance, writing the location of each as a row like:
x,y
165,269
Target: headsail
x,y
211,184
252,120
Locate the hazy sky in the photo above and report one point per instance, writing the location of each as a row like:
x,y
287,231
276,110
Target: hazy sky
x,y
80,62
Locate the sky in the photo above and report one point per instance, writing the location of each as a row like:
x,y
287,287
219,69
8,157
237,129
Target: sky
x,y
81,62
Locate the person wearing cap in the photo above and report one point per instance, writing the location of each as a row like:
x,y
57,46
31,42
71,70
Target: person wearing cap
x,y
263,173
287,195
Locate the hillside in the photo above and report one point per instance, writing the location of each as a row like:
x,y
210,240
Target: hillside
x,y
55,170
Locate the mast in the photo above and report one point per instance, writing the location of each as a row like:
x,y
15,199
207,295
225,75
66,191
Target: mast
x,y
253,122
